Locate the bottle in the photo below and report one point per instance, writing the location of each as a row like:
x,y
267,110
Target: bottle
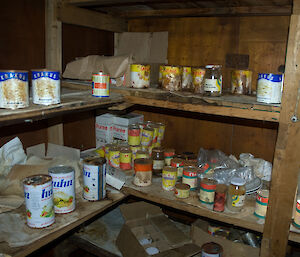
x,y
236,194
158,160
213,80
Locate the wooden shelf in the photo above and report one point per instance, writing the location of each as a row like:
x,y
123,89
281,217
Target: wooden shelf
x,y
71,100
84,211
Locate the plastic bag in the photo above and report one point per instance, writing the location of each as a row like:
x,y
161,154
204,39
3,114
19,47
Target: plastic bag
x,y
224,176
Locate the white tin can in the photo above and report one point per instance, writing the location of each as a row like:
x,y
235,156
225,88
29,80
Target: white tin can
x,y
39,201
100,83
94,178
63,182
45,87
140,75
269,88
14,89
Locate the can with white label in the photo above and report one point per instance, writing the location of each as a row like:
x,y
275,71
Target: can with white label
x,y
94,180
39,201
63,182
45,87
269,88
14,89
100,84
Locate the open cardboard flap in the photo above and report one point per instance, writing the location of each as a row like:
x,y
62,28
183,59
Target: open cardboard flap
x,y
147,227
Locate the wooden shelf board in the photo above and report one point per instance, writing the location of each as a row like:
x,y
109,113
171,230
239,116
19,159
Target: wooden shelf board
x,y
155,193
84,211
71,100
227,105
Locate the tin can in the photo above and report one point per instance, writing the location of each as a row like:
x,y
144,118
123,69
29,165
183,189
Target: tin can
x,y
169,178
269,88
134,132
182,190
169,155
187,79
13,89
134,150
160,75
241,81
45,87
207,191
189,176
198,80
106,149
141,125
63,182
178,164
140,75
171,79
38,194
147,136
220,198
125,158
100,151
296,221
94,178
114,157
142,154
155,128
100,84
142,172
211,250
262,199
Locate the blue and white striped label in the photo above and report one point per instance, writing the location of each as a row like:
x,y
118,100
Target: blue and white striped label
x,y
46,74
6,75
271,77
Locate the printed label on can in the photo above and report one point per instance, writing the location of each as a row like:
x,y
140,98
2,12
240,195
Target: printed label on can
x,y
45,87
158,164
168,180
100,85
94,182
213,85
168,160
114,159
207,195
140,75
125,160
14,90
190,178
63,191
238,200
180,193
39,205
147,136
269,88
296,221
142,178
134,137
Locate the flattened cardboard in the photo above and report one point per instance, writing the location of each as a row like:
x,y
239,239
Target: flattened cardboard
x,y
200,236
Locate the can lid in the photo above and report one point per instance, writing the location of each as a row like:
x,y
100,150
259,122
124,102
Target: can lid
x,y
37,179
182,186
238,181
61,169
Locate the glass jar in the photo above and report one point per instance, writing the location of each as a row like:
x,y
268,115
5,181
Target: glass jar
x,y
236,194
158,160
213,80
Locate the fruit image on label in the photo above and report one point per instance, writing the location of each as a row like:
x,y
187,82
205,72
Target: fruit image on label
x,y
28,214
86,189
47,212
238,200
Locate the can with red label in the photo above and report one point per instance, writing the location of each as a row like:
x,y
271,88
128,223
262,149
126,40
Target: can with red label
x,y
100,83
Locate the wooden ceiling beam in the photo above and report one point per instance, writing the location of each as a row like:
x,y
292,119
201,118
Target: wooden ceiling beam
x,y
92,19
217,11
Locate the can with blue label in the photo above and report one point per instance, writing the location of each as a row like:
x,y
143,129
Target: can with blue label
x,y
269,88
13,89
45,87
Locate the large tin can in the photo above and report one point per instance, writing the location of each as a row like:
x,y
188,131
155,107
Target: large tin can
x,y
14,89
94,178
207,191
39,201
147,136
142,172
45,87
140,75
171,79
134,137
63,182
241,81
125,158
187,79
262,199
269,88
198,80
100,84
189,176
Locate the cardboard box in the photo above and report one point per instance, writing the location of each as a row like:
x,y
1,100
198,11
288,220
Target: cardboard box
x,y
147,224
104,129
200,236
128,119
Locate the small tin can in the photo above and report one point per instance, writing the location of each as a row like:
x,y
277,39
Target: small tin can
x,y
211,250
63,182
178,164
114,157
125,158
142,154
38,194
189,176
100,84
140,75
14,89
241,81
171,79
187,79
207,191
169,154
94,178
269,88
134,137
262,199
147,136
296,220
45,87
220,198
198,80
142,172
182,190
169,178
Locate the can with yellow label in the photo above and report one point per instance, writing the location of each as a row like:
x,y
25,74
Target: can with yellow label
x,y
140,75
